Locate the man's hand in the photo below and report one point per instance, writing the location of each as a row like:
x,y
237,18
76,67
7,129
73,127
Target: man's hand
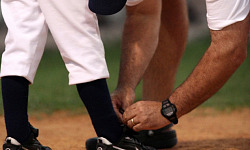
x,y
144,115
121,99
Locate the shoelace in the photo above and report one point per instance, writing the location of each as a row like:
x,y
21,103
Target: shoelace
x,y
136,141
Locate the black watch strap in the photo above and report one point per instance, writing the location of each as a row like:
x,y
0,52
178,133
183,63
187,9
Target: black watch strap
x,y
169,111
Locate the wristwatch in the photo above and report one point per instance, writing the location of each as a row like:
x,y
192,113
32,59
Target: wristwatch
x,y
169,110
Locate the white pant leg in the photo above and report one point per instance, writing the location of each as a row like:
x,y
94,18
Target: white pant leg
x,y
222,13
76,33
25,40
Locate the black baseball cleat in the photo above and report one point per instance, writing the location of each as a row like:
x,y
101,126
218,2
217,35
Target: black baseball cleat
x,y
11,144
160,139
30,144
127,142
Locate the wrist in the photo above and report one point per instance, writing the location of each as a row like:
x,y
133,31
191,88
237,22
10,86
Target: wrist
x,y
127,93
126,88
169,111
178,102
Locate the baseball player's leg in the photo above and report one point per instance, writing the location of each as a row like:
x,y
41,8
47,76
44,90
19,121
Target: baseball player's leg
x,y
96,98
15,94
25,41
75,30
159,78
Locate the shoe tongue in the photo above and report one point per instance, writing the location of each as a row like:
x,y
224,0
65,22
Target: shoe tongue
x,y
129,135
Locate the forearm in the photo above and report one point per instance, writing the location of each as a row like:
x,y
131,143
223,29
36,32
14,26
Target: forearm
x,y
140,38
225,54
207,78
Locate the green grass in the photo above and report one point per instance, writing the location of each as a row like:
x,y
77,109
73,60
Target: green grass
x,y
51,92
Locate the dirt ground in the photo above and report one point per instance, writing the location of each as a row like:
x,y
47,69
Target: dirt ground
x,y
202,129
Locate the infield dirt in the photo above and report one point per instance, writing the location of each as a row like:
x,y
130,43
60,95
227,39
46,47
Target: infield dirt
x,y
202,129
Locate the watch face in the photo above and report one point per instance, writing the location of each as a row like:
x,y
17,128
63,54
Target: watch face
x,y
168,111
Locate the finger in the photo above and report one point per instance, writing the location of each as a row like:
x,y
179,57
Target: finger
x,y
121,111
131,123
116,109
119,115
130,111
128,115
138,127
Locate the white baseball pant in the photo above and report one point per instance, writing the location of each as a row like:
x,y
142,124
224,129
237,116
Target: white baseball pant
x,y
222,13
74,28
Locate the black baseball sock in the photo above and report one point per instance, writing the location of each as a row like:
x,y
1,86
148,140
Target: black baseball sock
x,y
15,100
95,96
